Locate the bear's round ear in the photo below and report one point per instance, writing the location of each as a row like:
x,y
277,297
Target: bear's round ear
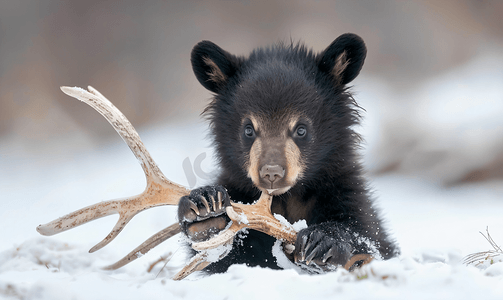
x,y
212,65
344,58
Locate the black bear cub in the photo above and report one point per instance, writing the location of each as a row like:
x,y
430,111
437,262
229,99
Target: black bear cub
x,y
282,123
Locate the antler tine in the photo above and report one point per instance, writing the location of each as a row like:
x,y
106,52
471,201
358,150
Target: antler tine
x,y
159,190
197,263
142,249
121,124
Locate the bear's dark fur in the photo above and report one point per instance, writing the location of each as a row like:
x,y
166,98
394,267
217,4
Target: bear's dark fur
x,y
282,121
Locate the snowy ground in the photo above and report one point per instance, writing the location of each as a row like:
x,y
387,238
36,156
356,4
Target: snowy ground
x,y
435,227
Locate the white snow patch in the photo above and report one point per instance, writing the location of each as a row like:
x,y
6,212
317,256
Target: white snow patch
x,y
283,222
243,219
281,259
371,245
496,269
215,254
299,225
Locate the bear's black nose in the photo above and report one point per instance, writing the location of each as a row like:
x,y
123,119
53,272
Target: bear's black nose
x,y
272,173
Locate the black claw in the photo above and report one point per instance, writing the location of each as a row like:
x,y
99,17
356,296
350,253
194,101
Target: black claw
x,y
312,254
309,246
193,206
205,203
185,210
328,254
303,248
213,204
219,195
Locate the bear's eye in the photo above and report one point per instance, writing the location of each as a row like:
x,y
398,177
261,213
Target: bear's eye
x,y
301,131
249,131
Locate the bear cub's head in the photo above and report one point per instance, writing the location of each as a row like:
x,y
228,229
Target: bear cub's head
x,y
281,114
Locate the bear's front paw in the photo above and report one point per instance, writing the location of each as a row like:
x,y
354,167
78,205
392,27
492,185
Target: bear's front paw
x,y
202,213
318,251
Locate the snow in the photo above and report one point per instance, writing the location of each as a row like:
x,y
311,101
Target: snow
x,y
435,226
299,225
214,255
243,219
282,220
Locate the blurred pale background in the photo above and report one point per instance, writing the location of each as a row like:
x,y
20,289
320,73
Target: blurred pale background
x,y
432,84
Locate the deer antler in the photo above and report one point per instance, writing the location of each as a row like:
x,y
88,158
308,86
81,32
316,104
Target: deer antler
x,y
161,191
